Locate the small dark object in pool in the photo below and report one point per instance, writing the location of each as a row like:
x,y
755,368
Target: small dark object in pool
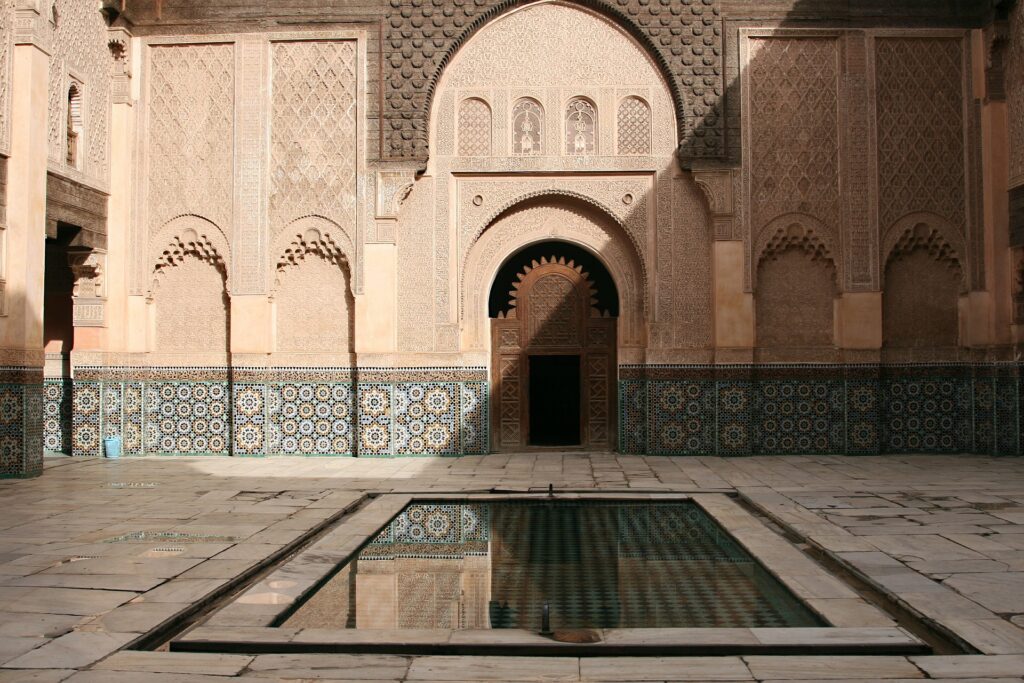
x,y
578,635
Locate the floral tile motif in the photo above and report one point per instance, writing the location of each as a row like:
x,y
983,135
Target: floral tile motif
x,y
736,429
374,405
437,523
133,419
633,416
12,425
86,422
187,418
426,418
927,415
249,419
310,418
791,410
113,409
800,417
862,411
474,437
57,412
682,418
1007,413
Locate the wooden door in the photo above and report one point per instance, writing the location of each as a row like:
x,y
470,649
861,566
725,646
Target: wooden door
x,y
552,313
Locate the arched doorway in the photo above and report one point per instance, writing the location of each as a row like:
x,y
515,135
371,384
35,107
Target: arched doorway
x,y
553,340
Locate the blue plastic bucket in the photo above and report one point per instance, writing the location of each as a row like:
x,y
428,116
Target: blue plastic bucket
x,y
112,446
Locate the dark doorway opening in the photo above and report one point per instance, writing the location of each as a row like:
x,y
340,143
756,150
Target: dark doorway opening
x,y
555,400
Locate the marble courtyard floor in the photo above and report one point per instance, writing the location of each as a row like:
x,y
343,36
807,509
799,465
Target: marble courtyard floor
x,y
85,567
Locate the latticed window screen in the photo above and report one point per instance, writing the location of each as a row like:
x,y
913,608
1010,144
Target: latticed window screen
x,y
474,128
634,126
74,130
527,127
580,127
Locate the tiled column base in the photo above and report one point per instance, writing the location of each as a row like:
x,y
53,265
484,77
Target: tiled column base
x,y
21,422
370,412
821,409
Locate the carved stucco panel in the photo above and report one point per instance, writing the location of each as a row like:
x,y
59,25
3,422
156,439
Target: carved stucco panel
x,y
1015,95
793,131
415,242
6,63
626,198
600,63
920,110
190,133
313,140
79,51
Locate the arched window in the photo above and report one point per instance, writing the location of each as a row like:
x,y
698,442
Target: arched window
x,y
74,134
634,127
474,128
580,127
527,127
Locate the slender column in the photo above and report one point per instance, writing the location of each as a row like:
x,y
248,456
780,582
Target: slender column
x,y
122,188
733,305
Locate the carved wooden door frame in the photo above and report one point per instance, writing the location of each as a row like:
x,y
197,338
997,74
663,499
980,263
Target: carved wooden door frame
x,y
556,318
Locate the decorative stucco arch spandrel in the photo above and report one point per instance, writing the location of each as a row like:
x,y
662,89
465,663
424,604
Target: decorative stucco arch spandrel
x,y
422,39
553,218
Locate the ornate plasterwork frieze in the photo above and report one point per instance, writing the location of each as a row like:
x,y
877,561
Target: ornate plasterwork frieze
x,y
32,23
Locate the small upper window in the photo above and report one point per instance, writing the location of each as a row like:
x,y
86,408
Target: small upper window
x,y
580,127
527,127
74,156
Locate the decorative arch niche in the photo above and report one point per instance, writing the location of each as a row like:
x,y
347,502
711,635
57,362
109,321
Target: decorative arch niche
x,y
922,284
312,289
189,288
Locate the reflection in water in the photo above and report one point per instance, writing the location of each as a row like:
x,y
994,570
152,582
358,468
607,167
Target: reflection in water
x,y
598,564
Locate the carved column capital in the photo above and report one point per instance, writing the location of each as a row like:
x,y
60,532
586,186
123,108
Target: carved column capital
x,y
717,184
119,40
32,23
89,297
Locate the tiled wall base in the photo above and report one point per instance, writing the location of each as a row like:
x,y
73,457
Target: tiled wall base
x,y
820,409
283,411
21,422
57,404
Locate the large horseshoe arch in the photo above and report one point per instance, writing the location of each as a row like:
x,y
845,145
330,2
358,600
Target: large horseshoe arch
x,y
554,311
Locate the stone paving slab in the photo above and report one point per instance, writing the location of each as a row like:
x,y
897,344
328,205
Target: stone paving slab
x,y
945,534
825,668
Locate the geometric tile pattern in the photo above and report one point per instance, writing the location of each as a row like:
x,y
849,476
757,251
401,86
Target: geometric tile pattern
x,y
663,410
304,418
433,530
187,418
21,422
289,411
57,411
821,409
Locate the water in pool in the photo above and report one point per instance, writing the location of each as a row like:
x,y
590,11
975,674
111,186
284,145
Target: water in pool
x,y
597,564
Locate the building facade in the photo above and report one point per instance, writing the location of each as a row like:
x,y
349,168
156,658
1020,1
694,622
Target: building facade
x,y
442,227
